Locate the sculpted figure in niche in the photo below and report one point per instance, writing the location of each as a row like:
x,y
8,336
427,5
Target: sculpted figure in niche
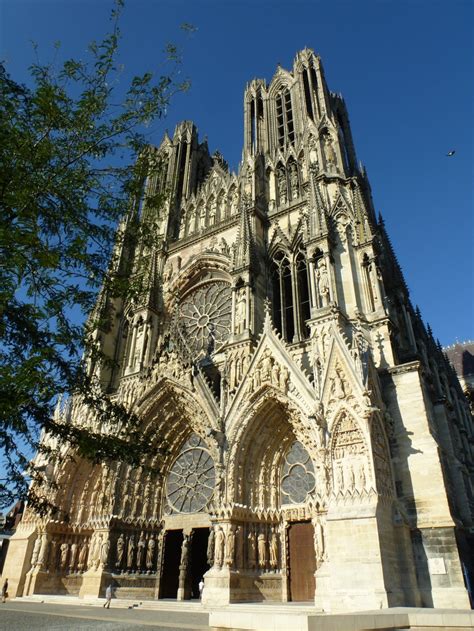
x,y
150,552
36,551
73,557
120,551
282,186
141,547
329,150
284,378
262,550
294,180
104,552
267,363
275,374
184,551
274,549
202,217
63,553
53,554
241,311
322,281
130,552
239,547
338,386
351,478
210,548
212,212
83,555
230,548
319,540
219,547
252,549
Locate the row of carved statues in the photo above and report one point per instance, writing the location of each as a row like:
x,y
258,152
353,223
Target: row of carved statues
x,y
79,553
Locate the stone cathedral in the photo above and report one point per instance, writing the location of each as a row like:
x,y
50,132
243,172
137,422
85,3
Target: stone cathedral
x,y
318,446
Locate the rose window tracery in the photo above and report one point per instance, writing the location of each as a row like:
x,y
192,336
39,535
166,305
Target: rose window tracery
x,y
192,478
297,475
206,316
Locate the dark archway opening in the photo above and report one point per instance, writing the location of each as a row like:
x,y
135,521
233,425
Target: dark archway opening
x,y
199,564
170,573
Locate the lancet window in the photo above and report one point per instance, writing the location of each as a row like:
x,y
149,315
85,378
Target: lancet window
x,y
285,124
290,294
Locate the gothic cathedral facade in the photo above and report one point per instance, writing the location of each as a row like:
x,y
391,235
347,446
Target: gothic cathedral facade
x,y
318,445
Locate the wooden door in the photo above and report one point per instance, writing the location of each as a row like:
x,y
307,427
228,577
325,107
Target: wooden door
x,y
302,561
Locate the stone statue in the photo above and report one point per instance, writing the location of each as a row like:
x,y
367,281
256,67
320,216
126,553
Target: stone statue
x,y
104,552
338,386
210,548
141,548
282,186
53,553
64,550
252,549
294,180
284,379
274,549
43,555
150,552
322,282
319,543
73,556
339,478
230,547
262,550
119,551
83,554
36,551
241,312
351,478
130,552
239,547
267,364
184,551
219,547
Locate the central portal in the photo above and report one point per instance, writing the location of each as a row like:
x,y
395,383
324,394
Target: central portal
x,y
302,561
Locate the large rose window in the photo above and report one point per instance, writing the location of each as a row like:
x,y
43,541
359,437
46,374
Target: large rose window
x,y
206,316
297,475
192,478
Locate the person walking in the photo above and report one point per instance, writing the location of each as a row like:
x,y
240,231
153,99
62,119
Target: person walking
x,y
108,596
5,591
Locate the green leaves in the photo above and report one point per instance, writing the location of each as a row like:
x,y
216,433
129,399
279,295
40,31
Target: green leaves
x,y
63,192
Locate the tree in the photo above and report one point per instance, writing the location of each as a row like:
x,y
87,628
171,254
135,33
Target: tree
x,y
73,164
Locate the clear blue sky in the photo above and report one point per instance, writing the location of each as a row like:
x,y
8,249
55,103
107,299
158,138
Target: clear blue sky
x,y
405,69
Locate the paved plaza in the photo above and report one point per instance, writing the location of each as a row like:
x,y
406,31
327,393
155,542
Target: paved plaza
x,y
20,615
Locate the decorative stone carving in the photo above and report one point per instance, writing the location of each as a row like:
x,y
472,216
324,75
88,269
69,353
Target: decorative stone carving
x,y
219,547
252,548
273,549
230,547
240,311
262,550
131,553
210,548
150,552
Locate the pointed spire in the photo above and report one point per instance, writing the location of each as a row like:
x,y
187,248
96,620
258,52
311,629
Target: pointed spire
x,y
243,251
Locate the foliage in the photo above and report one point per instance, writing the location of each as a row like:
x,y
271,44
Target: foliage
x,y
69,174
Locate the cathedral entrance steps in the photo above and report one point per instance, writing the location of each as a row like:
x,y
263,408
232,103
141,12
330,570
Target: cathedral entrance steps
x,y
117,603
275,617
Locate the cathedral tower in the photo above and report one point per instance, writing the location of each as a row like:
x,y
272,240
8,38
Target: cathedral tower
x,y
318,444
